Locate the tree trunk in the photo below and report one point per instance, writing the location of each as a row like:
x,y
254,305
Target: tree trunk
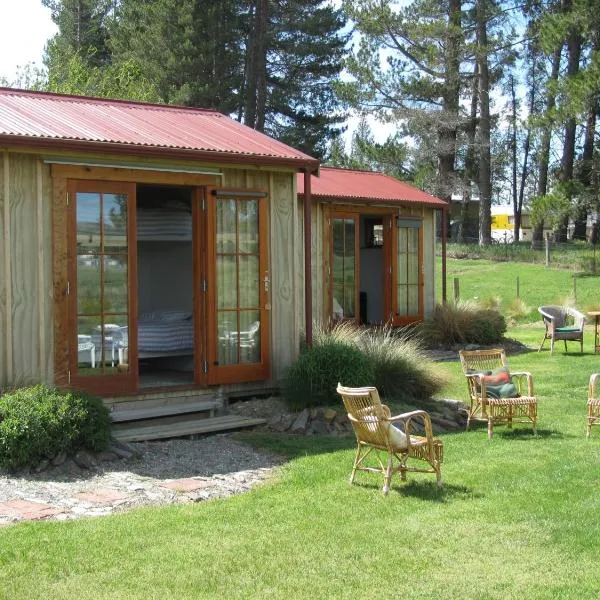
x,y
513,143
451,98
485,183
256,67
544,152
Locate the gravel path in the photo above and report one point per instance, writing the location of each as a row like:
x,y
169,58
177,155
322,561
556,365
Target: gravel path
x,y
161,472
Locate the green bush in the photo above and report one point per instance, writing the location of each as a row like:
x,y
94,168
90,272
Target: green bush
x,y
313,378
393,360
463,323
40,422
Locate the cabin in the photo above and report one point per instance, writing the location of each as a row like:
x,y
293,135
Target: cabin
x,y
374,247
157,255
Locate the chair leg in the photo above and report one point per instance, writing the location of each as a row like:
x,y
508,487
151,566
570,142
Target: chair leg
x,y
565,341
551,345
543,342
356,463
388,475
490,427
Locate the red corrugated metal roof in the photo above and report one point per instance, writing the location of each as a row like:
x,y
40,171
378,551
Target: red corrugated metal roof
x,y
40,116
346,184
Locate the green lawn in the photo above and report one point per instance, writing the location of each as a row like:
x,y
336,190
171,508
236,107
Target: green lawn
x,y
536,285
517,518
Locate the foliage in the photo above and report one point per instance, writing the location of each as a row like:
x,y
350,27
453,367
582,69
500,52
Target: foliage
x,y
464,322
313,378
392,360
40,422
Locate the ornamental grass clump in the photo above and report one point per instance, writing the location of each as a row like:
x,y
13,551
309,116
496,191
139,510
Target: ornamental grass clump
x,y
40,422
464,322
392,360
403,370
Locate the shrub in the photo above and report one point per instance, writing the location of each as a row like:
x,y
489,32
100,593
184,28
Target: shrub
x,y
313,378
400,364
463,323
40,422
393,360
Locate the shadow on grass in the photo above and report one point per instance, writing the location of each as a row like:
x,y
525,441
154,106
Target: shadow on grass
x,y
424,490
526,433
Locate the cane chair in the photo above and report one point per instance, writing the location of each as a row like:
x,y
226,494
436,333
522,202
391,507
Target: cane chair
x,y
562,323
387,447
593,404
497,404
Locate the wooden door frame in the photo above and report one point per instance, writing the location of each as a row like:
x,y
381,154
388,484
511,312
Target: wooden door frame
x,y
199,237
237,373
117,382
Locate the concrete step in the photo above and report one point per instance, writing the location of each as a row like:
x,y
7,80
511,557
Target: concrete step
x,y
163,428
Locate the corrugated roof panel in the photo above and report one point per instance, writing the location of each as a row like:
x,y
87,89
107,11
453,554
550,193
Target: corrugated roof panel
x,y
54,116
365,185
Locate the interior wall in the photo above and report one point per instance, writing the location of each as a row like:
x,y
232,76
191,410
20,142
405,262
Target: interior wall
x,y
165,276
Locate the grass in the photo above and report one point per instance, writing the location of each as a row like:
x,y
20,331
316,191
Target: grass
x,y
517,289
517,518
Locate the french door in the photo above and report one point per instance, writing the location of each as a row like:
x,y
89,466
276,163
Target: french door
x,y
102,273
238,287
400,286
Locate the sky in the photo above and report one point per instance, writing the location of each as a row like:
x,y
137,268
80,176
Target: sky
x,y
25,27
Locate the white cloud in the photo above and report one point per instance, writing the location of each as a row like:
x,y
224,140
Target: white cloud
x,y
25,27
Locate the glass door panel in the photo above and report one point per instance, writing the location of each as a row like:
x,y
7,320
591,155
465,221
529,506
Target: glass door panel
x,y
100,280
344,288
241,286
408,271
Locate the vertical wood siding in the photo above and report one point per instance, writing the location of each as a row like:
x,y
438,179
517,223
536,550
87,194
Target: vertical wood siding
x,y
26,289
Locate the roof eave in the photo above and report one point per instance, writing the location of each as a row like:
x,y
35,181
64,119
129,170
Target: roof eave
x,y
353,199
115,148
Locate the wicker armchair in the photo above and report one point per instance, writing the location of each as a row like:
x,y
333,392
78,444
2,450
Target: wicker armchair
x,y
379,439
593,404
520,407
562,323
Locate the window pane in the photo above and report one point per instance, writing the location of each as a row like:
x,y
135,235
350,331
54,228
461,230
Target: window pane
x,y
248,226
227,282
226,231
114,212
115,284
227,351
249,337
88,223
249,281
88,284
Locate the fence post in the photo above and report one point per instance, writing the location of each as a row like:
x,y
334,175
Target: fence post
x,y
547,245
456,290
518,288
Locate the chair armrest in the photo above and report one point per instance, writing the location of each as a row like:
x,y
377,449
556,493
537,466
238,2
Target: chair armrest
x,y
524,375
592,385
409,416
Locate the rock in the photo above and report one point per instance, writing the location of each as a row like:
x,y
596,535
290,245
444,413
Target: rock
x,y
85,460
120,452
330,415
107,456
319,428
59,459
41,466
300,423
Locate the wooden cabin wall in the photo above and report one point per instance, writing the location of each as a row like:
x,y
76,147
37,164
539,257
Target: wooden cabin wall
x,y
26,332
284,266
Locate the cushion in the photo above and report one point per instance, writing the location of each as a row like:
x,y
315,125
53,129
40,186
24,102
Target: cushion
x,y
502,390
567,329
397,437
497,376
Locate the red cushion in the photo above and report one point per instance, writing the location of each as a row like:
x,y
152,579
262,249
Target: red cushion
x,y
498,376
